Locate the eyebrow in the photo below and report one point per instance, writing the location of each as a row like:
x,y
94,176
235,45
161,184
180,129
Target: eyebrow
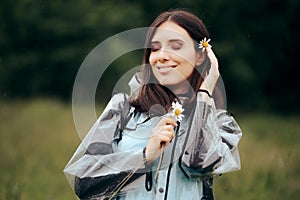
x,y
176,40
169,41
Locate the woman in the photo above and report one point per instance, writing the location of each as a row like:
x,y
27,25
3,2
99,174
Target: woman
x,y
137,149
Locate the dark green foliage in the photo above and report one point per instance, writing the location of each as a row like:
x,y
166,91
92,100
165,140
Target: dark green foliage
x,y
43,43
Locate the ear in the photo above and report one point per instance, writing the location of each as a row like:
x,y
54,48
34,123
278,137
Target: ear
x,y
200,56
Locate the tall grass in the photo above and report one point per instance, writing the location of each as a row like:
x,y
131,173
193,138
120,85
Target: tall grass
x,y
36,140
270,160
38,137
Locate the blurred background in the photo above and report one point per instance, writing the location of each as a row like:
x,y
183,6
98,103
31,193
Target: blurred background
x,y
43,43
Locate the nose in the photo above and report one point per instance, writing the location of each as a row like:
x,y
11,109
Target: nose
x,y
163,55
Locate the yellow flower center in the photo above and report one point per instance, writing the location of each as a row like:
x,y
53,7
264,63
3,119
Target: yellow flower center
x,y
205,44
177,112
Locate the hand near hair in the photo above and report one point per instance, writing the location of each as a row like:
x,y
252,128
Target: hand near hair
x,y
211,78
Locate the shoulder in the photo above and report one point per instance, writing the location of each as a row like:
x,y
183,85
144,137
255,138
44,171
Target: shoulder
x,y
119,98
118,101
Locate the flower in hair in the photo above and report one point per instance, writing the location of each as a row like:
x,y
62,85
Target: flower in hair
x,y
204,44
177,111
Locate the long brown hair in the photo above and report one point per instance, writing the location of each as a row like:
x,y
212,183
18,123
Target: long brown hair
x,y
151,92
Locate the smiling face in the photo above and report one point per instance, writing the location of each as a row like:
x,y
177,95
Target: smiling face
x,y
173,56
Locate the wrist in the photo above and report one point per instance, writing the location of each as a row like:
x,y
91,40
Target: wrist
x,y
146,155
205,91
150,155
147,163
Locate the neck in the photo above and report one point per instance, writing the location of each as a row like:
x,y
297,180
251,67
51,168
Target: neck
x,y
180,88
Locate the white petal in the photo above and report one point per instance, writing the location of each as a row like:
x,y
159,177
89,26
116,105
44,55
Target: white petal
x,y
179,118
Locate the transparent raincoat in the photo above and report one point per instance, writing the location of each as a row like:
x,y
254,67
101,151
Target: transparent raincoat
x,y
110,164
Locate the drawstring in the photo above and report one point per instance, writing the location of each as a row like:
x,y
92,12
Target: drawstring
x,y
148,181
207,185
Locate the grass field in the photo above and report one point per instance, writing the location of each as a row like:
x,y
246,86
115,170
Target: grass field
x,y
38,137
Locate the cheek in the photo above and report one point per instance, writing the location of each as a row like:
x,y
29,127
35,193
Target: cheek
x,y
187,71
187,57
186,66
152,59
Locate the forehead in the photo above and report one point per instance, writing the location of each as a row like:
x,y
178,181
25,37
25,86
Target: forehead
x,y
170,30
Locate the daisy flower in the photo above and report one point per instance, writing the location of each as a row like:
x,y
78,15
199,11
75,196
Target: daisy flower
x,y
204,44
177,111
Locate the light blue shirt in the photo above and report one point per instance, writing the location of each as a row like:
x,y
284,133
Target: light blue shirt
x,y
135,137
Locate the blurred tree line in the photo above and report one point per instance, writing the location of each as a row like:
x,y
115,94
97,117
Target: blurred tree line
x,y
43,43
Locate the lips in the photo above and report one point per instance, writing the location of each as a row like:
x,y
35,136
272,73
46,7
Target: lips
x,y
165,68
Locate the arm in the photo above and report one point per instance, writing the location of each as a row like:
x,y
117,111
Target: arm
x,y
212,147
95,170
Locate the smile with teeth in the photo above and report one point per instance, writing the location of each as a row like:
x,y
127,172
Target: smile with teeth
x,y
164,69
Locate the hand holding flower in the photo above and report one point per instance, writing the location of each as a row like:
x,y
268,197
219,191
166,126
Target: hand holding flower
x,y
162,133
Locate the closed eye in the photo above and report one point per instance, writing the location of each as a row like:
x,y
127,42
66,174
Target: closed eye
x,y
176,44
155,46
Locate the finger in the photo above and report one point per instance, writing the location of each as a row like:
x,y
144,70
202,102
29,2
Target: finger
x,y
169,133
163,141
169,121
169,127
165,120
164,138
164,124
212,56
